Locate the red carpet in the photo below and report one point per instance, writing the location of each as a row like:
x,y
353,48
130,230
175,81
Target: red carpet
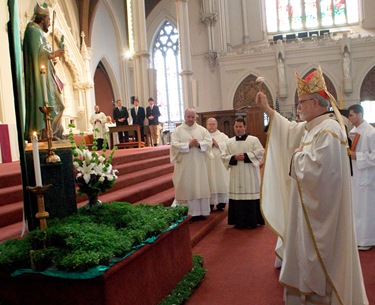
x,y
145,176
240,268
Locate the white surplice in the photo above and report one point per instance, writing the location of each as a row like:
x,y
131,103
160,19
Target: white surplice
x,y
244,182
98,127
190,177
218,174
363,184
311,209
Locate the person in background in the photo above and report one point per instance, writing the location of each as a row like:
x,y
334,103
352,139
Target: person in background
x,y
138,116
120,114
306,199
242,155
37,52
363,180
218,174
98,120
152,114
189,145
109,123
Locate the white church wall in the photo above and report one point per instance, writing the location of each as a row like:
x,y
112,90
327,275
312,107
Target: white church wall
x,y
198,30
259,58
208,96
70,9
367,9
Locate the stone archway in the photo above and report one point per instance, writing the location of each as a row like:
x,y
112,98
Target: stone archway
x,y
367,92
245,105
246,93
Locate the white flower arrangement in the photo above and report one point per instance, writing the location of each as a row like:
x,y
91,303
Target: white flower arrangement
x,y
94,172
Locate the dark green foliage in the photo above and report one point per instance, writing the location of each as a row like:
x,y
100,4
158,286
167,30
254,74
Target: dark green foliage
x,y
14,254
89,238
186,286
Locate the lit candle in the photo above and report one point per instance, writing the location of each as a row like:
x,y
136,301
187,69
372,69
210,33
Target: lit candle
x,y
38,175
44,81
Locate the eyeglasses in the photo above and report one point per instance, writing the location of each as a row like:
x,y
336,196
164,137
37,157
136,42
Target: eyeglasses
x,y
300,102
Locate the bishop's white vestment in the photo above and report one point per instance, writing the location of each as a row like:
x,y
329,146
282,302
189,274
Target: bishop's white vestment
x,y
306,199
218,174
363,184
190,177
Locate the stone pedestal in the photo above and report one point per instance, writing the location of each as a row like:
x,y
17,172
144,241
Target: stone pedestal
x,y
60,199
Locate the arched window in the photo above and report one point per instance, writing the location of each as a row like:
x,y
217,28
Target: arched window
x,y
166,61
296,15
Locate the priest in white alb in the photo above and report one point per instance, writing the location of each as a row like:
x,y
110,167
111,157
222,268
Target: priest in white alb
x,y
218,174
363,180
190,143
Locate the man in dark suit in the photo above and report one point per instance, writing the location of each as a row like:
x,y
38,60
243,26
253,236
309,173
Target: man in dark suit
x,y
152,114
138,116
120,114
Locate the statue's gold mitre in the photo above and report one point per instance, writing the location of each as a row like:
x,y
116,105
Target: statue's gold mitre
x,y
313,83
41,9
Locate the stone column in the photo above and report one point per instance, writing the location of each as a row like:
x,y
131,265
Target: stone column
x,y
246,37
85,89
209,18
184,35
141,55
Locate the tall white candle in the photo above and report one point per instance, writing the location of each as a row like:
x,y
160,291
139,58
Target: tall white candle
x,y
44,81
38,175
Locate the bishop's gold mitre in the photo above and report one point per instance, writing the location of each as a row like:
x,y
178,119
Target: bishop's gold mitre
x,y
313,83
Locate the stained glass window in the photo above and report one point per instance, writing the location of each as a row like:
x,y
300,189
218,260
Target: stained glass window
x,y
295,15
166,61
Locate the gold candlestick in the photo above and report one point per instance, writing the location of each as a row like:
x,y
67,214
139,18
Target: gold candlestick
x,y
42,214
51,157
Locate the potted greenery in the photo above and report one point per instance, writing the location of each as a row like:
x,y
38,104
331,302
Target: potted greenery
x,y
80,257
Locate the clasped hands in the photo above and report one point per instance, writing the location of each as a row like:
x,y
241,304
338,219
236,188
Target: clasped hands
x,y
194,142
239,157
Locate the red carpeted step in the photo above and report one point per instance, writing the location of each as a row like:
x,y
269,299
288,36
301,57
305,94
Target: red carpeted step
x,y
199,229
137,192
11,194
137,154
165,198
130,167
10,174
11,213
145,174
12,231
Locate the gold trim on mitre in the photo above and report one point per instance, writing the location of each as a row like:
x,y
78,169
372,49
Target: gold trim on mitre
x,y
313,85
41,9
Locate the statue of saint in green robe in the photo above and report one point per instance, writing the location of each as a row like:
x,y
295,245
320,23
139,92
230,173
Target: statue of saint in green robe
x,y
37,52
